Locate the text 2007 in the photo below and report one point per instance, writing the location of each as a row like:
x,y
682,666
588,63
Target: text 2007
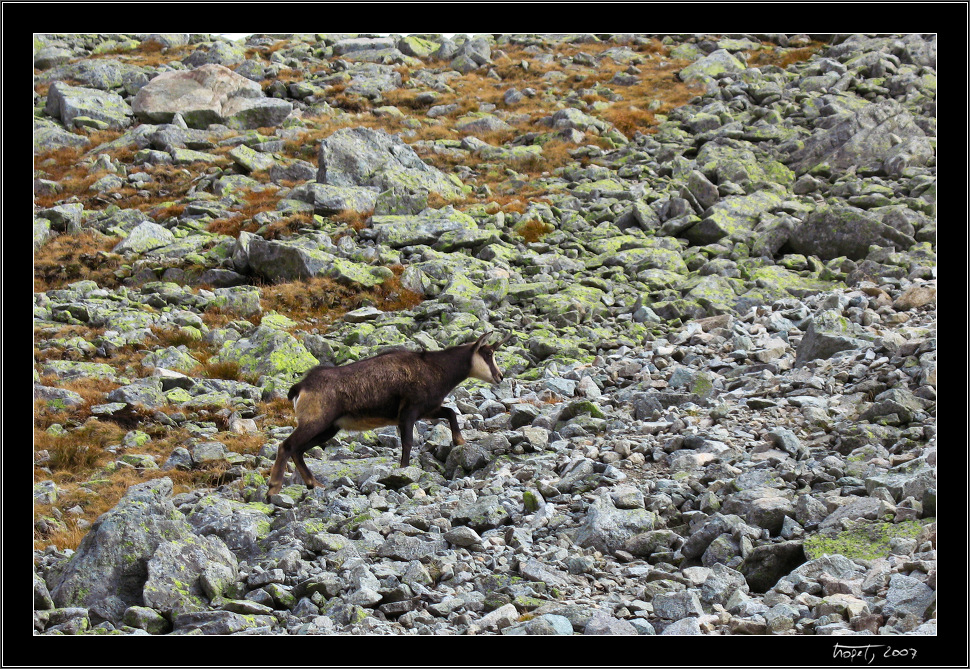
x,y
866,654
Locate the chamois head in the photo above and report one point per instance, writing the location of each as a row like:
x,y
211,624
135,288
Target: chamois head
x,y
483,360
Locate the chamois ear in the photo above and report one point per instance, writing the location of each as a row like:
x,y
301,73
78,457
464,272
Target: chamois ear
x,y
481,340
504,340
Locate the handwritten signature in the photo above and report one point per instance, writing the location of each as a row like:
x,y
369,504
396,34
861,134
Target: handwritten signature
x,y
869,652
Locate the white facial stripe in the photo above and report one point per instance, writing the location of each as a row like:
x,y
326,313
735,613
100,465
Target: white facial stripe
x,y
480,369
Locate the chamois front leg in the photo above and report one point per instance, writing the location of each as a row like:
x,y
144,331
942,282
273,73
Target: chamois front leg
x,y
279,467
308,479
452,418
303,438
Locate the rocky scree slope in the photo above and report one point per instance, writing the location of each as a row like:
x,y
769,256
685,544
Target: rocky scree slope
x,y
719,412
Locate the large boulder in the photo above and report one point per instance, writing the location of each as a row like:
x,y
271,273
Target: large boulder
x,y
290,261
866,138
110,567
184,575
208,94
366,157
833,231
67,103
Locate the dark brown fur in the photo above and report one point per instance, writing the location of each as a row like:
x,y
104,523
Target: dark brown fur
x,y
398,387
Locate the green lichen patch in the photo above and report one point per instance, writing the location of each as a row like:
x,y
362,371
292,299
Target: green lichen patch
x,y
864,539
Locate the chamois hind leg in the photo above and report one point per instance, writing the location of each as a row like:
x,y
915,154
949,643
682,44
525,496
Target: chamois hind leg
x,y
452,418
292,446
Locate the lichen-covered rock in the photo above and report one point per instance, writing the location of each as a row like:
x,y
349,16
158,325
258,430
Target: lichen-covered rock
x,y
828,333
184,574
734,216
711,65
365,157
844,231
860,539
112,560
268,352
737,162
865,138
425,228
69,103
241,300
331,199
146,237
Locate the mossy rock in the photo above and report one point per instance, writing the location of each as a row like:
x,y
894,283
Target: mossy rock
x,y
866,540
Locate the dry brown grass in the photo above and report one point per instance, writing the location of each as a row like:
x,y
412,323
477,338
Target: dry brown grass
x,y
69,168
783,57
288,225
352,220
323,300
150,53
253,202
97,498
228,370
532,231
77,463
81,450
67,258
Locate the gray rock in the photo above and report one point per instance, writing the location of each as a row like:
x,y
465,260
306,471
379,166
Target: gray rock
x,y
768,563
603,623
425,228
365,157
402,547
833,231
330,199
549,623
700,539
683,627
184,574
608,528
268,352
145,392
146,237
69,103
220,622
722,584
208,94
144,618
486,513
828,333
677,605
112,559
909,596
864,138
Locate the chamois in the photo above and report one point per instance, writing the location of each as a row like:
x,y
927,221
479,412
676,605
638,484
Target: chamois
x,y
397,387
